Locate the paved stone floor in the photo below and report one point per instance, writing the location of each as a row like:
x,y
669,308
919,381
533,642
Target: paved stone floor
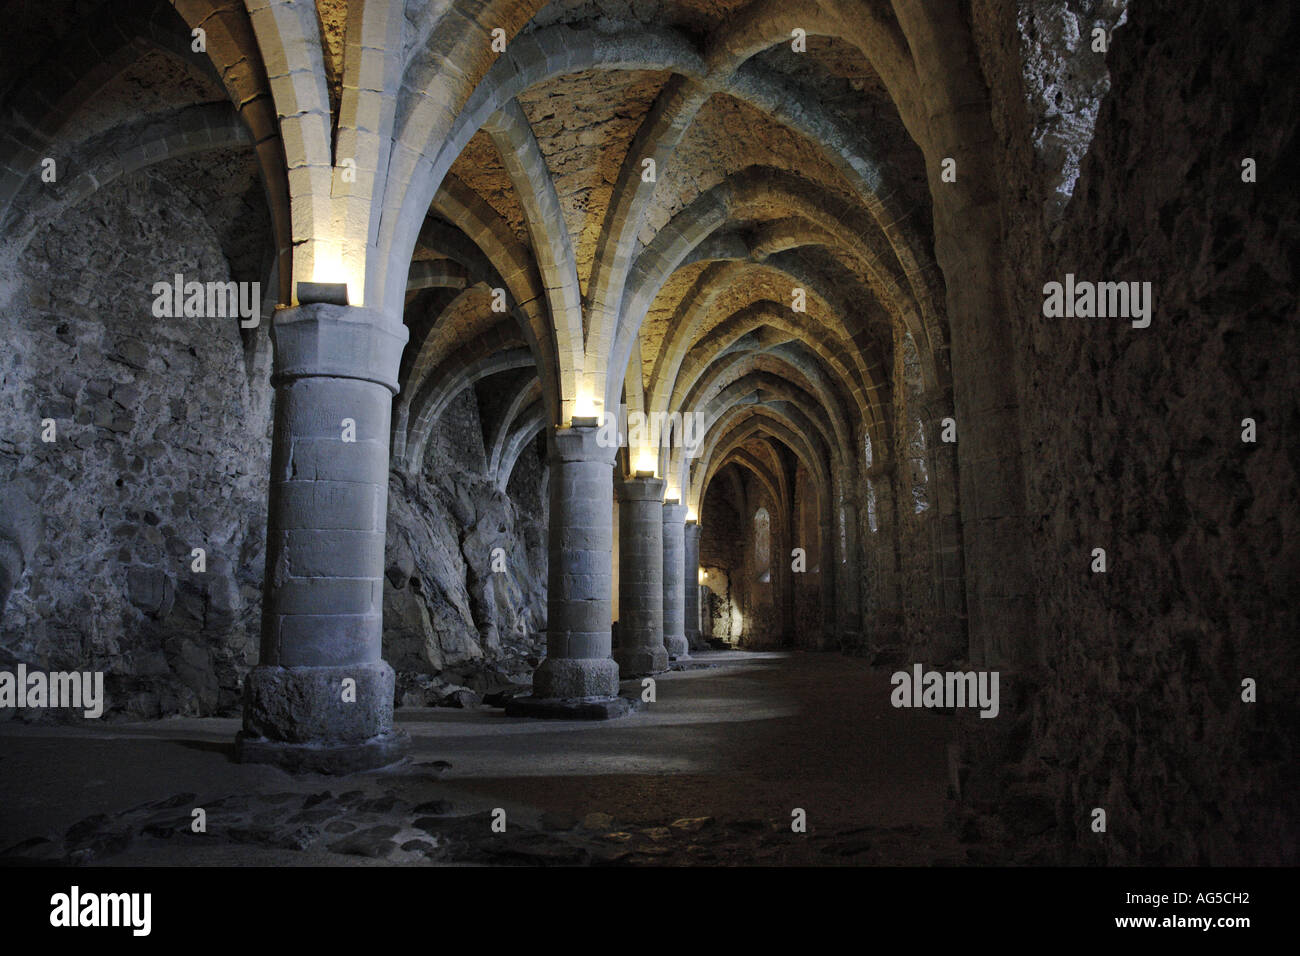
x,y
708,774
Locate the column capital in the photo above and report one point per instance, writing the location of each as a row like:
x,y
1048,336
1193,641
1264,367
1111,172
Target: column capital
x,y
337,341
581,441
674,510
640,489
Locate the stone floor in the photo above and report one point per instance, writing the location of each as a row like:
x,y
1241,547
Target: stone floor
x,y
708,774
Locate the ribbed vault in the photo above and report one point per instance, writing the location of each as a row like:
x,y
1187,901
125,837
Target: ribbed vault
x,y
686,216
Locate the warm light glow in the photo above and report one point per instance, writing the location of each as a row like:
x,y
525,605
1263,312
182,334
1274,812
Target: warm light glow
x,y
329,265
584,406
646,460
327,262
704,575
691,515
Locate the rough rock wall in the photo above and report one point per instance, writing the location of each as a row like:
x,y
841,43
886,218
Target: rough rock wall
x,y
1067,81
447,613
718,606
757,580
160,448
1134,442
722,544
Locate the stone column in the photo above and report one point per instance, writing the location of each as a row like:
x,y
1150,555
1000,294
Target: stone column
x,y
674,572
849,587
641,577
322,697
691,583
783,585
578,679
886,621
829,637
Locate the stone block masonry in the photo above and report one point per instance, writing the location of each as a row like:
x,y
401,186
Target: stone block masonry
x,y
580,573
674,519
322,696
691,585
640,577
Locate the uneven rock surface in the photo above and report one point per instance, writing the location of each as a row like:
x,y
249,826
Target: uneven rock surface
x,y
708,774
159,448
354,825
449,613
1135,440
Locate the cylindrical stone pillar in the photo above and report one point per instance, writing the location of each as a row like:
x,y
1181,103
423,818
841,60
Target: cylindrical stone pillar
x,y
827,573
641,577
691,584
321,698
849,587
674,574
580,577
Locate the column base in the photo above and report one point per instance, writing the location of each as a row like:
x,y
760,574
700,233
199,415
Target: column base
x,y
640,661
677,648
335,719
344,758
591,708
571,678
